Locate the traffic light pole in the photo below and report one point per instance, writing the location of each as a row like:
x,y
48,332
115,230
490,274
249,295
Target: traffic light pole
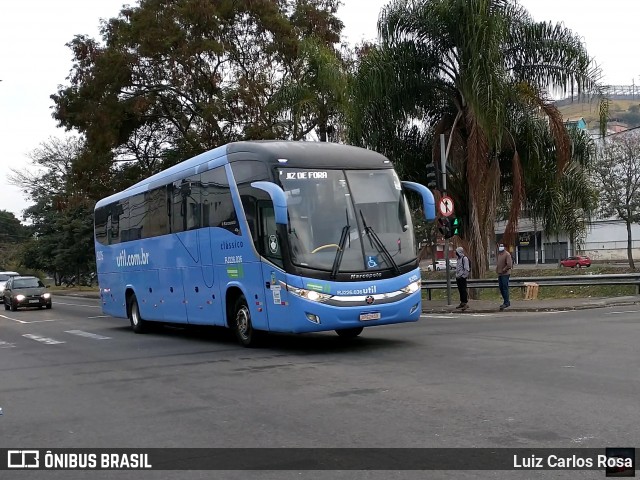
x,y
443,170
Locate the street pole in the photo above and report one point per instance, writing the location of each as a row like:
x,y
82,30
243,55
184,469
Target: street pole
x,y
443,170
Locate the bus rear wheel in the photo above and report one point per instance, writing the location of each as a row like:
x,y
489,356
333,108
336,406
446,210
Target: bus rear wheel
x,y
349,332
242,326
138,325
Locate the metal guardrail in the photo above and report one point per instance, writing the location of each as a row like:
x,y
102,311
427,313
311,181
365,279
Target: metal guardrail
x,y
556,281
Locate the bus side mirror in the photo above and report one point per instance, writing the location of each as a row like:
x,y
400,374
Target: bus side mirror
x,y
428,202
278,198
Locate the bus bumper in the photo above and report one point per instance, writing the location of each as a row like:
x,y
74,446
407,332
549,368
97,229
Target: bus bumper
x,y
307,316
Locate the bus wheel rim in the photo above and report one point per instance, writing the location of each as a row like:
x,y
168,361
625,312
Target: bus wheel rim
x,y
242,321
134,315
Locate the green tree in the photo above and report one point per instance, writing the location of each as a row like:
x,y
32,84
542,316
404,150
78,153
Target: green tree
x,y
11,229
618,175
173,78
62,215
476,71
12,235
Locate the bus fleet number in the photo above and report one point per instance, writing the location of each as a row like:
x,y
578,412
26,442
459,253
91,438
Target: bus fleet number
x,y
233,259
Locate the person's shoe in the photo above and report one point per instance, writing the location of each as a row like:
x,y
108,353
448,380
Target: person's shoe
x,y
502,307
464,306
461,305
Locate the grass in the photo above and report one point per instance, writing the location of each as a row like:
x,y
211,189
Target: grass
x,y
76,289
577,291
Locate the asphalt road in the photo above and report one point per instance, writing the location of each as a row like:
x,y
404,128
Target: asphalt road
x,y
71,377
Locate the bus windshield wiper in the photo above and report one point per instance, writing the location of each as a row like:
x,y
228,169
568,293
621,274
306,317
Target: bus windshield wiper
x,y
377,243
338,259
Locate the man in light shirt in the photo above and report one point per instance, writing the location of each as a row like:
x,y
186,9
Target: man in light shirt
x,y
503,269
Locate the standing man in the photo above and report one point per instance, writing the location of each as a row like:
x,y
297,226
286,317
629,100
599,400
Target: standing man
x,y
463,268
503,269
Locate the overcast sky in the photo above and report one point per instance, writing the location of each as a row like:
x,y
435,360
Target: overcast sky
x,y
34,59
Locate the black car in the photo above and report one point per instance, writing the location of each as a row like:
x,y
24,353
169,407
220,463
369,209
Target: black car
x,y
25,292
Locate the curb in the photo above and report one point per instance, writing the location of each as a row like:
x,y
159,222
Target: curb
x,y
531,309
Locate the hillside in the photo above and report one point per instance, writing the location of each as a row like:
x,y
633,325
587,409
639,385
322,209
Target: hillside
x,y
623,110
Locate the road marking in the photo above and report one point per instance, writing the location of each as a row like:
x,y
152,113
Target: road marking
x,y
46,340
100,316
621,313
4,344
87,334
76,304
26,321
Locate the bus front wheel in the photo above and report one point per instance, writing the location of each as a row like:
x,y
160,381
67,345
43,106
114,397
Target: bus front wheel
x,y
138,325
349,332
241,324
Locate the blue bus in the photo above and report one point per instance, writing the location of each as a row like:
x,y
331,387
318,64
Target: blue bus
x,y
263,236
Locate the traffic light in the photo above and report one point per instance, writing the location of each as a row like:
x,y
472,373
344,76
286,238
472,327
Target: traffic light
x,y
433,179
456,226
444,227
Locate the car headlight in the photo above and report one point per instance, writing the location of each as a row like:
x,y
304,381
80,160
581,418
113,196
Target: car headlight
x,y
46,295
413,287
20,297
311,295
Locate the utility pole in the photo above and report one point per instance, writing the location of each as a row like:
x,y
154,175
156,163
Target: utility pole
x,y
443,170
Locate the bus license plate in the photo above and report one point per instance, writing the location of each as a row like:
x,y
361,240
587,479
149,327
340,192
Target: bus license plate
x,y
369,316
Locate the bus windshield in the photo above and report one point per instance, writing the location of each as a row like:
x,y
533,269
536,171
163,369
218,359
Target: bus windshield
x,y
347,220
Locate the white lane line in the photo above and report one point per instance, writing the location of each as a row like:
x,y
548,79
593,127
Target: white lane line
x,y
622,313
76,304
26,321
100,316
87,334
4,344
14,319
46,340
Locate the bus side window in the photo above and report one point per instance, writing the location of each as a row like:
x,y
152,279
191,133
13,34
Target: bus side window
x,y
249,205
269,241
218,208
155,222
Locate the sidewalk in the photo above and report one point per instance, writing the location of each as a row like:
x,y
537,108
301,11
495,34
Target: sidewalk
x,y
485,306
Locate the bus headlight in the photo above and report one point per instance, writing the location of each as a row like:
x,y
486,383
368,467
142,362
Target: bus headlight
x,y
311,295
413,287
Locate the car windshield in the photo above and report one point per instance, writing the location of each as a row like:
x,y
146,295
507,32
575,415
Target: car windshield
x,y
361,213
27,283
4,278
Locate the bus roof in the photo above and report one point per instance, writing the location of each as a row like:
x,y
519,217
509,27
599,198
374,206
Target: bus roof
x,y
293,154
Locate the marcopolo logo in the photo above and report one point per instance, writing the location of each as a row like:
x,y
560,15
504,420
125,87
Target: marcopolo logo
x,y
131,260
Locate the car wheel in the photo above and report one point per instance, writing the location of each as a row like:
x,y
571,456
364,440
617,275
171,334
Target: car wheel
x,y
242,326
349,332
6,305
138,325
48,306
14,307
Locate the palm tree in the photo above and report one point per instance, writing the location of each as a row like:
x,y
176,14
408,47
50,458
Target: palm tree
x,y
477,71
314,93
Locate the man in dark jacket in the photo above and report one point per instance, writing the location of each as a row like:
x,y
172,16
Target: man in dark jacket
x,y
503,269
463,268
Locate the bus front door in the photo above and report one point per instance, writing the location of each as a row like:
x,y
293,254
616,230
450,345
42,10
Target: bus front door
x,y
269,246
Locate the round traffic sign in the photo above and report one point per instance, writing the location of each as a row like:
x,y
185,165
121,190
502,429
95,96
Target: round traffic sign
x,y
446,206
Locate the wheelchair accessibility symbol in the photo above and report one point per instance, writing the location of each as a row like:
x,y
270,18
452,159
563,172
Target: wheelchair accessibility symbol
x,y
372,261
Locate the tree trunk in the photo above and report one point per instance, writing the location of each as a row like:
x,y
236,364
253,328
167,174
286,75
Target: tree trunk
x,y
629,245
